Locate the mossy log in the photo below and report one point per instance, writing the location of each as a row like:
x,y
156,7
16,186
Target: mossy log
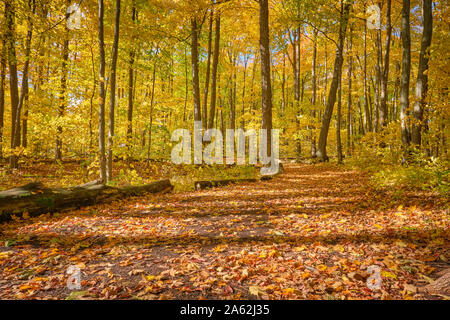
x,y
36,199
199,185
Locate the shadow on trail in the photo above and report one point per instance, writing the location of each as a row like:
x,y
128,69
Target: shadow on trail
x,y
418,237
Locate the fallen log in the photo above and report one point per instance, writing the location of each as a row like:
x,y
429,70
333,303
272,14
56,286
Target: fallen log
x,y
36,199
199,185
440,286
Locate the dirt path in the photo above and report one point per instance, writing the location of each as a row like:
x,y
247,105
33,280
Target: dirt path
x,y
310,233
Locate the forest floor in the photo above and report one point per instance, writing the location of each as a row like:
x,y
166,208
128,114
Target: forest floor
x,y
309,233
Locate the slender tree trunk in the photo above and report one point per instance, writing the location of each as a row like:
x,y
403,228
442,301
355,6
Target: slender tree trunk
x,y
2,91
422,76
208,71
25,118
63,87
243,91
321,152
283,87
186,84
338,123
266,90
112,101
367,115
405,77
151,113
13,81
396,90
232,91
349,99
325,78
101,104
91,131
299,96
314,95
385,73
195,72
130,86
296,71
24,89
378,69
215,63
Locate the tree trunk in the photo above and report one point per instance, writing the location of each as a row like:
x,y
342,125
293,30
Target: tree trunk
x,y
13,81
349,99
215,63
186,84
208,71
232,92
101,104
2,91
152,99
91,103
338,122
314,94
377,85
321,152
283,87
243,91
385,73
405,77
367,115
422,76
195,72
266,90
112,101
130,85
62,93
25,118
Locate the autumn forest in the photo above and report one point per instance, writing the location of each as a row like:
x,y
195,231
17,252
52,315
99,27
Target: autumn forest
x,y
93,205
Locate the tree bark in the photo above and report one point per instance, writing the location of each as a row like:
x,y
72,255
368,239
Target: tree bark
x,y
422,76
112,101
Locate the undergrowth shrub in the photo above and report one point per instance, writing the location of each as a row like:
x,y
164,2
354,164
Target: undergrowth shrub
x,y
380,154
